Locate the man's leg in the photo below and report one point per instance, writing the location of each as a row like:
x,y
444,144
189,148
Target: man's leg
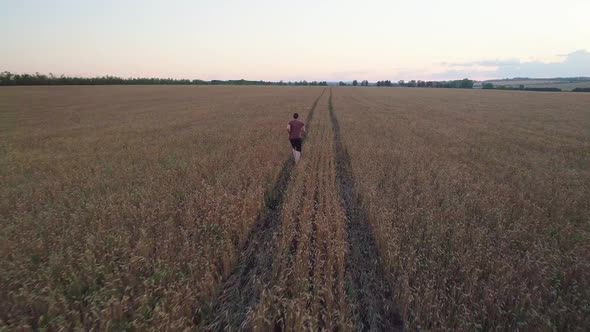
x,y
294,148
297,150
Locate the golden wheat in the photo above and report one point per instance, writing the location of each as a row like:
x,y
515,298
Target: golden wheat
x,y
308,288
479,201
173,207
125,207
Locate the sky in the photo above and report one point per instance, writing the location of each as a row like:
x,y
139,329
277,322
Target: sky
x,y
275,40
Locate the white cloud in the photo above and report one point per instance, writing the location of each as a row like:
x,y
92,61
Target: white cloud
x,y
574,64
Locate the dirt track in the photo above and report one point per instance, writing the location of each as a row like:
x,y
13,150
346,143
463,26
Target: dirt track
x,y
241,291
369,288
311,261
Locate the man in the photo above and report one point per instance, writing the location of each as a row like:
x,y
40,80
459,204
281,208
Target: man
x,y
295,129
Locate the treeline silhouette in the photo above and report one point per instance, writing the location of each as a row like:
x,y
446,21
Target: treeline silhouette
x,y
8,78
488,85
455,84
527,89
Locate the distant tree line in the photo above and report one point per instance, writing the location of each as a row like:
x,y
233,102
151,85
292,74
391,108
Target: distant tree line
x,y
560,79
8,78
456,84
581,90
385,83
305,83
355,83
540,89
488,85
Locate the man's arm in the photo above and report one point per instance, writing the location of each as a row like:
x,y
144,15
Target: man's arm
x,y
289,128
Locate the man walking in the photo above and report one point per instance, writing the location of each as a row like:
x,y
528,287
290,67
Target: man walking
x,y
295,129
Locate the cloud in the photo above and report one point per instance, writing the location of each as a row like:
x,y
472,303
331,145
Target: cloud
x,y
486,63
574,64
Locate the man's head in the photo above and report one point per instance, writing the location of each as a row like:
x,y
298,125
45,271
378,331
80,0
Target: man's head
x,y
295,115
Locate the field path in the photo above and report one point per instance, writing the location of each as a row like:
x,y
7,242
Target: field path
x,y
369,288
311,262
242,288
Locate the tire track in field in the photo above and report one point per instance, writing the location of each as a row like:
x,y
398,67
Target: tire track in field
x,y
369,288
241,291
307,291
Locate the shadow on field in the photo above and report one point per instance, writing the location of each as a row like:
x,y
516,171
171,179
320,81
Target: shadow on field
x,y
241,291
369,290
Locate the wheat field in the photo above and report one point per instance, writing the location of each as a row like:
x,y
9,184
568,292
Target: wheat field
x,y
179,207
479,201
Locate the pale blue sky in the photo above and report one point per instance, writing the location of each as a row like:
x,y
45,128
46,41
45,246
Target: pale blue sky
x,y
293,40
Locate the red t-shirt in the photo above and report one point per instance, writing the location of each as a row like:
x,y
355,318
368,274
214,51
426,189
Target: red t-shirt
x,y
296,127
